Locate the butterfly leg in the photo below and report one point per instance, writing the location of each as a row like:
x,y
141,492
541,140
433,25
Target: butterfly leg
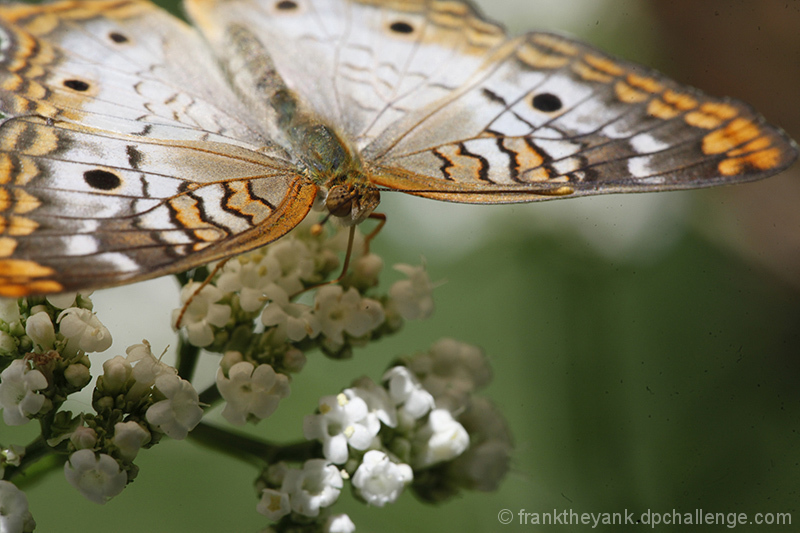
x,y
381,218
317,229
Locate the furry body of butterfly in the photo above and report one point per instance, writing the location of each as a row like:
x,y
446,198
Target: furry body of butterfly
x,y
133,145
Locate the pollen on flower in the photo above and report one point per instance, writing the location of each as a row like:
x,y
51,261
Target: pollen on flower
x,y
341,425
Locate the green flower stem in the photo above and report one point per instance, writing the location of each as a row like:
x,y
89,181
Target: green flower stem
x,y
251,450
38,454
188,355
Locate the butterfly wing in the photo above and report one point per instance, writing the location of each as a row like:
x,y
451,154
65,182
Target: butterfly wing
x,y
442,104
123,153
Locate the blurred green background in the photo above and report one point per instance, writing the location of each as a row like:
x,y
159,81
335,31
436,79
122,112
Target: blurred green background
x,y
645,348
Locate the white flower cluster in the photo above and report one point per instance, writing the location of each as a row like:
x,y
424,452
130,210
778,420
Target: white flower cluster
x,y
267,283
44,343
421,426
382,436
150,400
140,397
138,381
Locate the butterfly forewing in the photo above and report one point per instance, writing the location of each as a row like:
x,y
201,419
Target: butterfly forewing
x,y
557,118
123,153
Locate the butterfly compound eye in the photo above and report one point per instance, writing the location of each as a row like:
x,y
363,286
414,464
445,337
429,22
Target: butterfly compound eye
x,y
339,201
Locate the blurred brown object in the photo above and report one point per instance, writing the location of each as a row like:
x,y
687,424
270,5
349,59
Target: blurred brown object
x,y
749,50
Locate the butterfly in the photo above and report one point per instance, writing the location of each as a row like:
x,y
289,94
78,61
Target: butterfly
x,y
134,145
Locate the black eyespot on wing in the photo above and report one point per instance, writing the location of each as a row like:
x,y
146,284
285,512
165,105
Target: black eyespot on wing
x,y
76,85
401,27
101,179
547,102
286,5
118,37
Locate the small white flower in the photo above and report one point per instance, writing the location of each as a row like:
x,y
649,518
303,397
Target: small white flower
x,y
251,392
180,412
379,480
341,421
274,504
129,437
294,360
97,477
83,330
346,312
9,310
18,397
145,369
83,438
62,300
451,371
407,392
77,375
116,372
317,485
413,297
8,344
202,313
487,460
14,514
366,270
296,264
377,398
229,359
339,523
275,474
292,320
12,455
249,275
442,438
39,327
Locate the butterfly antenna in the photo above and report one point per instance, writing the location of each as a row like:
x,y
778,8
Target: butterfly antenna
x,y
208,279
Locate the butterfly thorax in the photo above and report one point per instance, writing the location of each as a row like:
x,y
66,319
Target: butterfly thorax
x,y
320,152
327,160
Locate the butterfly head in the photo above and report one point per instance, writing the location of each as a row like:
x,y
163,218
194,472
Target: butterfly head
x,y
352,201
